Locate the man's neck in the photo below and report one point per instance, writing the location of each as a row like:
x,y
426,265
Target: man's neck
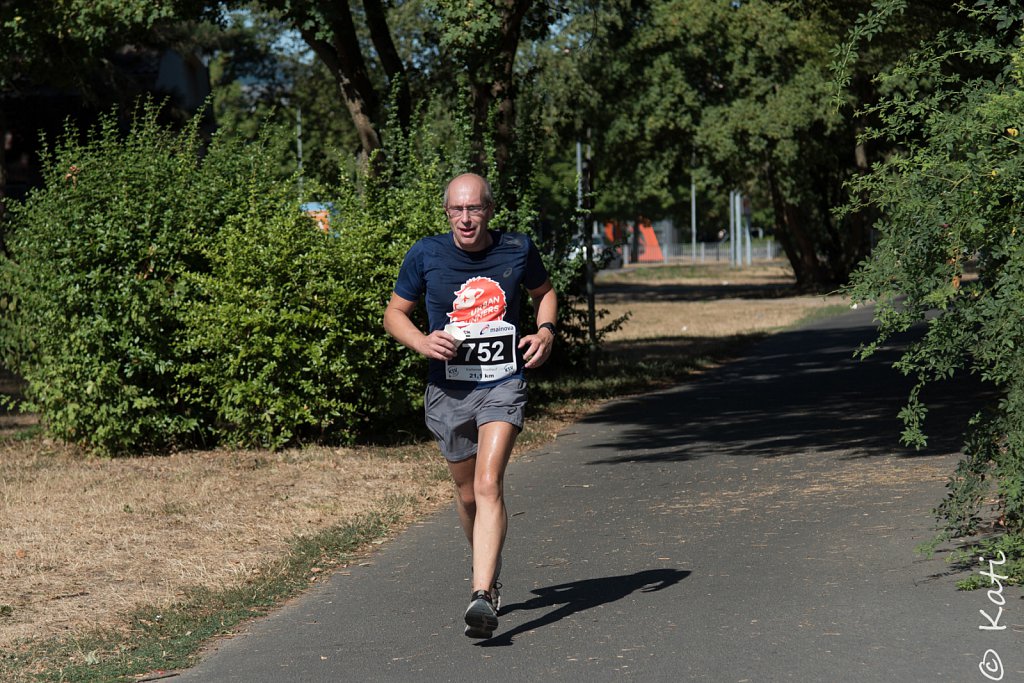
x,y
488,240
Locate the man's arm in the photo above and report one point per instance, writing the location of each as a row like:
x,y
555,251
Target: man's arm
x,y
438,345
539,345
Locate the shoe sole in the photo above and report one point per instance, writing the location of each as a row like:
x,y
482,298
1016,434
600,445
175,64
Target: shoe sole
x,y
481,621
474,633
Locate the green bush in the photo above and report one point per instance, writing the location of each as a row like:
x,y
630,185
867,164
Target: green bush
x,y
287,335
94,286
163,292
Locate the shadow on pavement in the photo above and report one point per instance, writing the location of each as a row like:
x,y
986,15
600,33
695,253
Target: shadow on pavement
x,y
798,391
585,594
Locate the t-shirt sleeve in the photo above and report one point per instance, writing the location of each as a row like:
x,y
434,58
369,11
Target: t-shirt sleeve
x,y
410,283
536,274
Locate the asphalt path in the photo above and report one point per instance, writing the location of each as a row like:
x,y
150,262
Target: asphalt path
x,y
757,524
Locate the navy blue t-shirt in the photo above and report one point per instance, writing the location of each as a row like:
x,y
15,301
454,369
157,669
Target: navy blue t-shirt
x,y
477,292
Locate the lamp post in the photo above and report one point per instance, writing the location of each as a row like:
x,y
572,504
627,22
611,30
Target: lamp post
x,y
298,144
582,202
693,209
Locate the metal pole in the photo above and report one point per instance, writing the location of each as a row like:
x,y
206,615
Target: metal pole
x,y
588,184
693,212
739,230
746,225
732,227
739,226
298,144
738,201
588,249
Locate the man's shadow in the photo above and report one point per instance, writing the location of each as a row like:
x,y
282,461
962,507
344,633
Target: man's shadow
x,y
577,596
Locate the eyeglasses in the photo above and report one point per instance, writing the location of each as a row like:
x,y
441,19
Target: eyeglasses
x,y
472,210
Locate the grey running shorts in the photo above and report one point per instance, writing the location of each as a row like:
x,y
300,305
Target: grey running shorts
x,y
454,415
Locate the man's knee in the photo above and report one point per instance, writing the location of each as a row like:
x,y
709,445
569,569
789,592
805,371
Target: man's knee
x,y
488,488
466,495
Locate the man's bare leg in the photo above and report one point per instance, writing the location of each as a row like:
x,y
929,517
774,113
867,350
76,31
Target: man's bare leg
x,y
480,502
463,473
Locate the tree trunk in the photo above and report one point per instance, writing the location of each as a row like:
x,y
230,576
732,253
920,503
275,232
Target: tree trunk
x,y
861,221
810,267
376,19
837,245
344,59
799,248
494,86
503,89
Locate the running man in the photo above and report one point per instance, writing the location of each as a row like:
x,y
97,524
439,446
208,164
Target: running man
x,y
472,280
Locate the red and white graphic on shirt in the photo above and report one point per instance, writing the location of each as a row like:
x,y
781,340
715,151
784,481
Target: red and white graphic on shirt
x,y
480,299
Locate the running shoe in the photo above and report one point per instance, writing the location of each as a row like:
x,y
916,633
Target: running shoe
x,y
481,616
495,587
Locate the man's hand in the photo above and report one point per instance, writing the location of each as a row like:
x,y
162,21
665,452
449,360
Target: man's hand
x,y
538,347
438,345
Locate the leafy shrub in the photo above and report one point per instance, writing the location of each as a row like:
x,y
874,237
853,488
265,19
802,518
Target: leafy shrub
x,y
287,336
568,275
162,292
94,286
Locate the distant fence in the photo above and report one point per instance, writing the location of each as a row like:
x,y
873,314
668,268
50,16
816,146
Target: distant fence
x,y
705,252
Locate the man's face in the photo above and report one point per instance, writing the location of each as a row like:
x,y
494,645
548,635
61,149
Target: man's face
x,y
468,214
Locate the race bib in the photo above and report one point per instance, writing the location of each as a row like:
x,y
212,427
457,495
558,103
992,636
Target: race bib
x,y
487,353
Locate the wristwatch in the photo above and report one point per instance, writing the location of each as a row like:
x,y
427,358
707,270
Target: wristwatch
x,y
549,326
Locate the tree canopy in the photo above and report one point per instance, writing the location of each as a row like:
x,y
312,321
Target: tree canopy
x,y
732,94
949,208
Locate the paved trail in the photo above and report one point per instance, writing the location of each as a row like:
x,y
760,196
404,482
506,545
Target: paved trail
x,y
755,525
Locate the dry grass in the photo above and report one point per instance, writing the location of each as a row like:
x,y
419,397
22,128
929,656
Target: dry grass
x,y
83,541
717,302
655,320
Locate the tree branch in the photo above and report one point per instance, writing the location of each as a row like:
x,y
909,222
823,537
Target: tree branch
x,y
380,34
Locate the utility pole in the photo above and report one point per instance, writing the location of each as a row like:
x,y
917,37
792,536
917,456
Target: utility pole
x,y
733,232
298,144
693,210
745,205
583,202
